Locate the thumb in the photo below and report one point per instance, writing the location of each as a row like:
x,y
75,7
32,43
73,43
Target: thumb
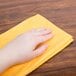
x,y
40,50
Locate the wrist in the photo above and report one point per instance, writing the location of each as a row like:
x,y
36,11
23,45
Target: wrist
x,y
5,60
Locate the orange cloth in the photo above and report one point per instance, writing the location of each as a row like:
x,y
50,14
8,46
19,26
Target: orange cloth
x,y
60,40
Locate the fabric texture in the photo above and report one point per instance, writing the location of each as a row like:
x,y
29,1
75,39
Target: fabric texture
x,y
60,40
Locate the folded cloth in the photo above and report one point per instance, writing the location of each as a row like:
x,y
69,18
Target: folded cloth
x,y
60,40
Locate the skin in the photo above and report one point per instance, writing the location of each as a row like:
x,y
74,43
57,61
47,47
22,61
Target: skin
x,y
24,48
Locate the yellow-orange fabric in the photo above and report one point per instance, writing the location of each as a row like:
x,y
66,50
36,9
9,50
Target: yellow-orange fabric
x,y
60,40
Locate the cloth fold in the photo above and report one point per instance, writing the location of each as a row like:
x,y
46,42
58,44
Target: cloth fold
x,y
60,40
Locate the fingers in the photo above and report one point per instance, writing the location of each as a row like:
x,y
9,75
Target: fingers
x,y
42,34
39,50
41,31
44,38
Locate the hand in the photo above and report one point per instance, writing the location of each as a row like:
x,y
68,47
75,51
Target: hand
x,y
25,47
